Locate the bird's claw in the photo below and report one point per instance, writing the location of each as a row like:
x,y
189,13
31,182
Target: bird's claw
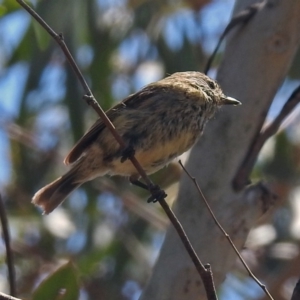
x,y
157,194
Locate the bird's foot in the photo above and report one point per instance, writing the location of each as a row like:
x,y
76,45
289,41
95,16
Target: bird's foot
x,y
157,194
134,180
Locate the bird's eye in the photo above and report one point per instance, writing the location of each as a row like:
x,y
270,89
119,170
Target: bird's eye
x,y
212,84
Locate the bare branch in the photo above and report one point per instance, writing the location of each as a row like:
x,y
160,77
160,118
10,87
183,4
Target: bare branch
x,y
7,297
90,99
296,293
206,274
242,176
225,233
9,253
243,17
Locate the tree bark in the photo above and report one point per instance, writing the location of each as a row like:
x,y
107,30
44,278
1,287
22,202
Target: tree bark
x,y
256,60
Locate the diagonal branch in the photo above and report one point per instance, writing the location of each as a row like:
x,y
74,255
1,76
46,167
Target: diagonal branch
x,y
7,297
242,176
243,17
296,293
263,287
204,273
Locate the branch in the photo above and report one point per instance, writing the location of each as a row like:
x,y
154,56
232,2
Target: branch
x,y
296,293
225,233
243,17
242,176
7,297
90,99
216,157
9,253
204,272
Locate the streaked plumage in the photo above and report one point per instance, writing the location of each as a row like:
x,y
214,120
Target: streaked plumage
x,y
160,122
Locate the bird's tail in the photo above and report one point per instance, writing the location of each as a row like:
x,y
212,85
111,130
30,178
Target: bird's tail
x,y
53,194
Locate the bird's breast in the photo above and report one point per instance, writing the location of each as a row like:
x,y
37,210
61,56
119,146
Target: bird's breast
x,y
155,157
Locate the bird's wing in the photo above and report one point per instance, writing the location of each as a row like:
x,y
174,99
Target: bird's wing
x,y
132,101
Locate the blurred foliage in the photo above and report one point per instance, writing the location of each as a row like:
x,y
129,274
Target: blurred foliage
x,y
119,46
111,237
61,285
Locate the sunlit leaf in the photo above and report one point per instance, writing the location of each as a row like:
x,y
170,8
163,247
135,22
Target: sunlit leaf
x,y
60,285
10,5
3,10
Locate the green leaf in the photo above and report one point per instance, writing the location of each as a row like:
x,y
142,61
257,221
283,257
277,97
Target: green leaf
x,y
60,285
10,5
3,10
42,37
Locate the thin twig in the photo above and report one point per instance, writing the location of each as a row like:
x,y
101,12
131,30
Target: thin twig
x,y
225,233
7,297
243,17
242,176
206,274
9,253
296,292
90,99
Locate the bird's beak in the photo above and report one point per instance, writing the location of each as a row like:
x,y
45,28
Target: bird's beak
x,y
230,101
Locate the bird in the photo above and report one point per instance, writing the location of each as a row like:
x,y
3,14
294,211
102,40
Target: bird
x,y
160,122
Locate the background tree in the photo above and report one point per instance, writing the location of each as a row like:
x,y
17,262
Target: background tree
x,y
112,236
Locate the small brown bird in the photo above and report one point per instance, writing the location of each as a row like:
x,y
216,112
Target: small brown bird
x,y
160,122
